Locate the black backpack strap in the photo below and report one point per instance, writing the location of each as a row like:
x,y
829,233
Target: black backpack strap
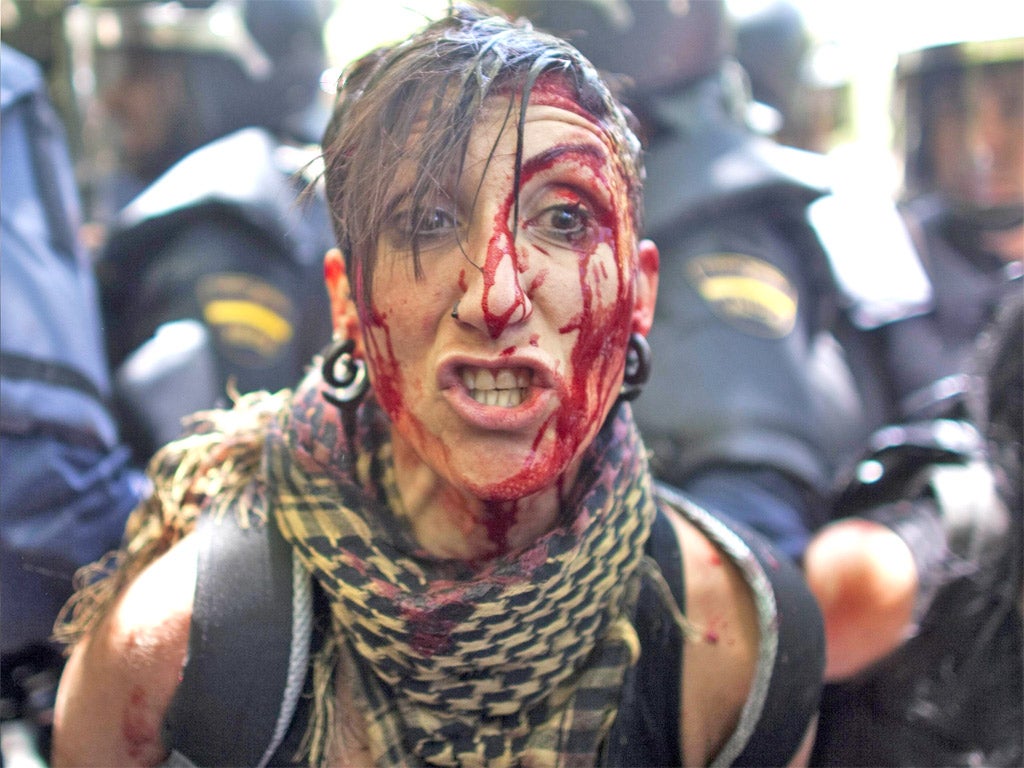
x,y
248,649
646,731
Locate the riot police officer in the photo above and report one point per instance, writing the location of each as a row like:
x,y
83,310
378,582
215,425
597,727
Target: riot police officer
x,y
66,481
934,675
763,383
960,114
934,617
216,108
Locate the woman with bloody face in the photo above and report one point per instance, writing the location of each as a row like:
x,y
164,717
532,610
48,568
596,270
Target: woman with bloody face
x,y
477,569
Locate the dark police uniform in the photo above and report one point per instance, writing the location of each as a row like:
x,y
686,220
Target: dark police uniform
x,y
930,354
66,487
66,482
765,380
223,238
951,694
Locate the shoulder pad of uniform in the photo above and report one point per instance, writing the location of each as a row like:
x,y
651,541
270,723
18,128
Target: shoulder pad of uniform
x,y
873,260
237,168
709,164
19,76
252,173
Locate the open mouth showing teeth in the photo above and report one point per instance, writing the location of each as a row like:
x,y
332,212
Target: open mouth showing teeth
x,y
506,388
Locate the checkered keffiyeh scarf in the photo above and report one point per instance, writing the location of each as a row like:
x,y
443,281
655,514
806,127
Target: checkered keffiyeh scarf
x,y
518,661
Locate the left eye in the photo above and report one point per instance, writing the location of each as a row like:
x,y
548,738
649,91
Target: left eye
x,y
570,223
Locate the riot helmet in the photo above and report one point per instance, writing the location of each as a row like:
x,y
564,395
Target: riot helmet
x,y
773,45
800,86
657,45
959,114
173,75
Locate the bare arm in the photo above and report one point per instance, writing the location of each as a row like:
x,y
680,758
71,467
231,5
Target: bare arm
x,y
119,681
718,667
720,664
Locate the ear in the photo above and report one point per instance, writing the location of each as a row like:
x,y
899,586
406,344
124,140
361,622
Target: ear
x,y
648,261
344,318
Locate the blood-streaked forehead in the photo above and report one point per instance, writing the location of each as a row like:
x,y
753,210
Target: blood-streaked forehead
x,y
553,91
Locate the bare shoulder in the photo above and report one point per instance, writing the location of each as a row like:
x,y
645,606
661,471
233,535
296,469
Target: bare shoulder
x,y
121,677
719,662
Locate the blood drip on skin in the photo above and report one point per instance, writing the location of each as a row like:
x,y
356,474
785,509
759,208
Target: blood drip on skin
x,y
137,728
387,381
498,518
601,341
345,321
499,248
464,520
597,341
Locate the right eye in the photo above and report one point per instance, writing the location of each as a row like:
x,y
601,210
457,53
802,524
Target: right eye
x,y
424,227
434,221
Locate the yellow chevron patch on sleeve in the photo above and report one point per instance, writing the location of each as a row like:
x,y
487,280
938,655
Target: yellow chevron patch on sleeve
x,y
239,312
748,293
250,316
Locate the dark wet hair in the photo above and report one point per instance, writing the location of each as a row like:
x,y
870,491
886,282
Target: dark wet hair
x,y
440,78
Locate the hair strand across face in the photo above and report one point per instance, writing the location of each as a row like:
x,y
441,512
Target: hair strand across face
x,y
404,113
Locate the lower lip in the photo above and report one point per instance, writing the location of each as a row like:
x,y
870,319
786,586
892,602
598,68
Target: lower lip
x,y
528,413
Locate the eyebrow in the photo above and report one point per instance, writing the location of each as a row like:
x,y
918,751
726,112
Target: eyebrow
x,y
550,155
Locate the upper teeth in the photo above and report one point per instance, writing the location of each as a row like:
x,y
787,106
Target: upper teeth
x,y
506,388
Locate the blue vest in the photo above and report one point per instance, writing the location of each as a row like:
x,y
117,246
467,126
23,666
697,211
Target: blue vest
x,y
65,486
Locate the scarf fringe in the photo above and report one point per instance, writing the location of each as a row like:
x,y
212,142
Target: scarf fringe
x,y
214,467
650,570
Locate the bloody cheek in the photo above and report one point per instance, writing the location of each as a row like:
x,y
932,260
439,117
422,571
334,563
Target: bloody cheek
x,y
380,353
601,327
382,361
